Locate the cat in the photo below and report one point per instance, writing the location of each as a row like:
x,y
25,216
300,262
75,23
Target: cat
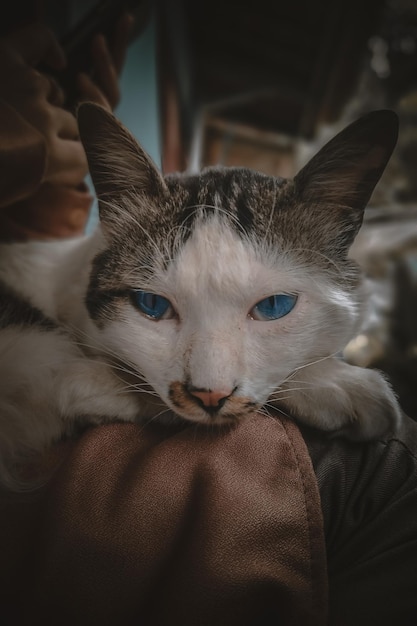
x,y
206,296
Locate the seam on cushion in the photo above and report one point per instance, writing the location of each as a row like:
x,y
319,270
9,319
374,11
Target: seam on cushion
x,y
318,561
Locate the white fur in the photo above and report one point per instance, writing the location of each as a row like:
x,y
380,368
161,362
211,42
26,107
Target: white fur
x,y
48,379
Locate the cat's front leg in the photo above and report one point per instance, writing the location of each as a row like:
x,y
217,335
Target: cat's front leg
x,y
346,400
87,390
46,385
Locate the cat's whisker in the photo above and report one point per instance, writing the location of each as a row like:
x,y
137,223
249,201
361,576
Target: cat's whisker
x,y
154,418
279,392
142,385
287,397
129,390
179,228
270,219
142,274
299,382
271,415
279,410
218,209
330,261
163,411
118,366
310,363
130,217
96,345
263,411
174,235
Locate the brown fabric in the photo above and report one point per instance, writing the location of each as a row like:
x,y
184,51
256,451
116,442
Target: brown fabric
x,y
31,209
53,211
22,156
163,526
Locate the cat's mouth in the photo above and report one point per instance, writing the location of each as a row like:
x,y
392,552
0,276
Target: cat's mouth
x,y
209,406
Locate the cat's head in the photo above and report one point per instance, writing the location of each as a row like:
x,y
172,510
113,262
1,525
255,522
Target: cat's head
x,y
219,287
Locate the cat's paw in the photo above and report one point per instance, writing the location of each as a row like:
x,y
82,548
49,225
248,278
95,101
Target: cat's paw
x,y
374,408
344,400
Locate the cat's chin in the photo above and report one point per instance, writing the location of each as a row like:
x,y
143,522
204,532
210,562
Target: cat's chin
x,y
174,415
218,418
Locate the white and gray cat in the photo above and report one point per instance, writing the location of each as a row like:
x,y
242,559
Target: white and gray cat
x,y
208,295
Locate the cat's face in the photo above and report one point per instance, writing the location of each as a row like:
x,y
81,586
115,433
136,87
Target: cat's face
x,y
217,288
223,318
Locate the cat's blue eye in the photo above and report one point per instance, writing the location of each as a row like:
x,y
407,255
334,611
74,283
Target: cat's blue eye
x,y
151,304
273,307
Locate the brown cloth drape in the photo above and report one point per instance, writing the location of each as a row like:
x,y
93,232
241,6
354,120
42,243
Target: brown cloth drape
x,y
162,526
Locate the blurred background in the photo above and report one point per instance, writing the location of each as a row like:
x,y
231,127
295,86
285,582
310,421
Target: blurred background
x,y
265,84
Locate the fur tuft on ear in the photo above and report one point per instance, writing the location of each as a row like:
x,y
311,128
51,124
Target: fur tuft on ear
x,y
343,174
117,163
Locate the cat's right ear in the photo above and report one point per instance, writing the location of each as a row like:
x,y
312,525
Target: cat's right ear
x,y
339,180
117,163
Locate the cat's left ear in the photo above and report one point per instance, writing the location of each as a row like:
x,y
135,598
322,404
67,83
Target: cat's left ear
x,y
117,163
343,174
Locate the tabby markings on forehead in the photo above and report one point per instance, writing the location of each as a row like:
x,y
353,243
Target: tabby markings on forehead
x,y
246,198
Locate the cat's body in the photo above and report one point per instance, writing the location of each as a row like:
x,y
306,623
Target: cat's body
x,y
212,295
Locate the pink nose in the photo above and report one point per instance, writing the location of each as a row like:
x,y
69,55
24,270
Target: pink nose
x,y
212,399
